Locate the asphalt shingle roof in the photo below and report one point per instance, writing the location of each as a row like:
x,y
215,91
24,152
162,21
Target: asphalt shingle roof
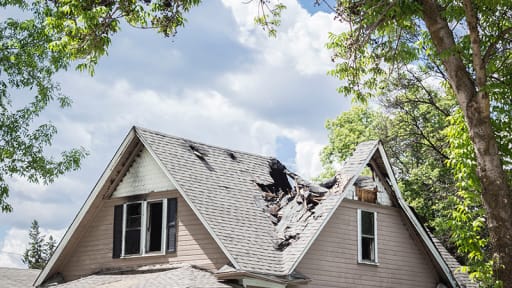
x,y
223,189
15,277
186,276
453,264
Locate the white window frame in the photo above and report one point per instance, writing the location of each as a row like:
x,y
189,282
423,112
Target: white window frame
x,y
144,225
359,238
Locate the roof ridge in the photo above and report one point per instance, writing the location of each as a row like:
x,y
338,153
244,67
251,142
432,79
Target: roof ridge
x,y
139,128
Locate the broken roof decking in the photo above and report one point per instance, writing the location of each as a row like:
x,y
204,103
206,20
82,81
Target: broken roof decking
x,y
225,193
352,167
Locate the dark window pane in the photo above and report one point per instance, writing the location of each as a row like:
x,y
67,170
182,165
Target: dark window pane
x,y
133,216
171,224
133,229
368,249
132,242
367,225
154,227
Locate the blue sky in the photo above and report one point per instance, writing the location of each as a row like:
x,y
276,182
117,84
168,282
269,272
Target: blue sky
x,y
220,81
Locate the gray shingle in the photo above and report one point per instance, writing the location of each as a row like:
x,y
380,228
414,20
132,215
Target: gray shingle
x,y
453,264
14,277
185,276
224,194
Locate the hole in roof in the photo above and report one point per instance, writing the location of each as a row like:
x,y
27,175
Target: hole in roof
x,y
232,155
198,152
201,155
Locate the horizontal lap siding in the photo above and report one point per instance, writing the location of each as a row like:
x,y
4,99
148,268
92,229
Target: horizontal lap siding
x,y
332,259
94,250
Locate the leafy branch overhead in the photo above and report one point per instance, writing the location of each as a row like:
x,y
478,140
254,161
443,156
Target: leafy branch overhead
x,y
269,16
53,36
85,28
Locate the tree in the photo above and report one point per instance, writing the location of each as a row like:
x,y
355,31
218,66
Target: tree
x,y
39,251
418,135
26,89
51,36
467,44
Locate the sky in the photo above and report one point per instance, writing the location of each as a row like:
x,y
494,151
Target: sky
x,y
220,81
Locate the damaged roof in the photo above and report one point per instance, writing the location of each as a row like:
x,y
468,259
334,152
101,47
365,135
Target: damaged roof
x,y
220,185
226,188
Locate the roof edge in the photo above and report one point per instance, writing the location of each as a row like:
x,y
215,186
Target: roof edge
x,y
416,224
184,195
131,136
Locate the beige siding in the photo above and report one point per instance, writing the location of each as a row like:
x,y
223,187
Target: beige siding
x,y
94,250
332,259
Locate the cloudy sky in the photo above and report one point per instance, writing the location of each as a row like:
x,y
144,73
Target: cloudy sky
x,y
221,81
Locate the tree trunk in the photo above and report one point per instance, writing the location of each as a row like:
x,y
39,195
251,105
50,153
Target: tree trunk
x,y
475,105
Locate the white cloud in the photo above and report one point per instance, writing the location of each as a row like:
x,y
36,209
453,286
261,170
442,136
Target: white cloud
x,y
12,248
308,158
300,39
15,243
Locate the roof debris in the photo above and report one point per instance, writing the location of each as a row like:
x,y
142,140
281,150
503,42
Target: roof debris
x,y
290,201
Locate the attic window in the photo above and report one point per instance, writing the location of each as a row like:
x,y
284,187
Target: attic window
x,y
144,227
367,237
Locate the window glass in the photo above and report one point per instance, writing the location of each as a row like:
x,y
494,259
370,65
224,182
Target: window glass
x,y
367,223
133,228
368,249
154,227
367,237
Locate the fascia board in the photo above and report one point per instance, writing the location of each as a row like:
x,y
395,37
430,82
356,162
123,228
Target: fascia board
x,y
190,203
331,213
417,226
85,207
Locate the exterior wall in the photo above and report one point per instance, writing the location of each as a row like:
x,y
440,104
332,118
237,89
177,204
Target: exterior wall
x,y
143,175
332,259
93,252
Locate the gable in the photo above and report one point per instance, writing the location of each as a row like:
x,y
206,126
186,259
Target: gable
x,y
143,176
332,261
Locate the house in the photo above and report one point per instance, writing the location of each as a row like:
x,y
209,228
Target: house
x,y
168,209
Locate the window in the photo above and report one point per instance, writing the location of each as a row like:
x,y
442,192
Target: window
x,y
144,228
367,236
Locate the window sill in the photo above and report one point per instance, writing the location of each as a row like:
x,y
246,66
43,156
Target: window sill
x,y
142,255
368,263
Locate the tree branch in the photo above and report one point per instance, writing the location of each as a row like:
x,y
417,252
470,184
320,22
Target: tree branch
x,y
478,63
